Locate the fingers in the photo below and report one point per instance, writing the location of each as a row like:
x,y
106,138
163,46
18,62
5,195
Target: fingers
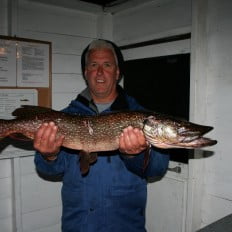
x,y
132,141
46,140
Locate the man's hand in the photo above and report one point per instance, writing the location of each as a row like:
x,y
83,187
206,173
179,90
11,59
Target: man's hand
x,y
132,141
46,141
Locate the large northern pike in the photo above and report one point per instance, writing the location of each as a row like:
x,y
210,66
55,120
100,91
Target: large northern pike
x,y
101,132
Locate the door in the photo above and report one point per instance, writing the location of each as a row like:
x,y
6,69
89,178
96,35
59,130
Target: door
x,y
160,81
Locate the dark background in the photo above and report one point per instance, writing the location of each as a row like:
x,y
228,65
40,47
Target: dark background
x,y
162,84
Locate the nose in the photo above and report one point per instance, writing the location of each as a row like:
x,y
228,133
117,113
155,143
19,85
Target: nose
x,y
99,70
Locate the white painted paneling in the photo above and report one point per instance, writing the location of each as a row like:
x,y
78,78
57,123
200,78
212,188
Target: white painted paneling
x,y
72,4
166,214
33,198
153,20
37,202
5,168
65,83
70,63
27,165
6,225
5,188
66,87
61,100
167,199
5,196
55,20
61,43
219,208
6,207
40,219
53,228
164,49
3,17
211,94
45,205
3,4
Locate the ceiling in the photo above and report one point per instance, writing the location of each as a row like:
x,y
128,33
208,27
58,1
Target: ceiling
x,y
95,6
106,3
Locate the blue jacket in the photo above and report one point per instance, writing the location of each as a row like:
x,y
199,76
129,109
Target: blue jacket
x,y
112,197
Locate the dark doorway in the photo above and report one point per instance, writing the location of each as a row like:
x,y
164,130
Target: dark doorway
x,y
162,84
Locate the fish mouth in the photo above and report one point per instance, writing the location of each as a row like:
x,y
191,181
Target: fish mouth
x,y
194,130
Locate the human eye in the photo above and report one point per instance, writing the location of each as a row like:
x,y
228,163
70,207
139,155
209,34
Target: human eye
x,y
92,65
108,65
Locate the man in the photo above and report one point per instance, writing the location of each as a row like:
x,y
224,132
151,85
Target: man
x,y
112,196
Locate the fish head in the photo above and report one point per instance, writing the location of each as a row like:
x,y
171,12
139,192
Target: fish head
x,y
175,133
158,131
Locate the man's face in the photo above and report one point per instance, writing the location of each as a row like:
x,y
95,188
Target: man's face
x,y
102,73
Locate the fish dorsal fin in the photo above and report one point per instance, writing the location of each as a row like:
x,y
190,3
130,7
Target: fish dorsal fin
x,y
28,110
19,136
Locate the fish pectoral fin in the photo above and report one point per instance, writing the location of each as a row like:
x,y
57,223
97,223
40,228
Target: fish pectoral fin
x,y
92,157
146,158
86,159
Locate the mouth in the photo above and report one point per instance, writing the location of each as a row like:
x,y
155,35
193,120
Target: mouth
x,y
100,81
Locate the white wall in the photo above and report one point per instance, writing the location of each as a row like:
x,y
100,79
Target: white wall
x,y
26,201
166,205
210,22
70,30
6,177
6,203
211,89
157,19
3,17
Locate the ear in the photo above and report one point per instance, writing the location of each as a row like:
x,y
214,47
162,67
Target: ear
x,y
118,74
85,75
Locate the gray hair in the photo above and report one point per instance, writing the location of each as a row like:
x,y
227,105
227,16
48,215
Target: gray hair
x,y
100,44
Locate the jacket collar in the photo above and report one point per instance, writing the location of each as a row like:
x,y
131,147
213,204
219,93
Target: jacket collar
x,y
120,103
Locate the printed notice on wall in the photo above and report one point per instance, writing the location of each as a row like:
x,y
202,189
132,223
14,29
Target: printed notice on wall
x,y
32,65
7,63
10,99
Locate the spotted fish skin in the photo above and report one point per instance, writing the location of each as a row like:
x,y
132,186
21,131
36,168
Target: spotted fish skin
x,y
101,132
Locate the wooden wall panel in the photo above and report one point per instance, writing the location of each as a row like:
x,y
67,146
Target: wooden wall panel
x,y
156,19
69,31
56,20
3,17
42,219
61,43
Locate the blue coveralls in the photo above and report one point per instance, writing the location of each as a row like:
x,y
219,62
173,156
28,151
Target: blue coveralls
x,y
112,197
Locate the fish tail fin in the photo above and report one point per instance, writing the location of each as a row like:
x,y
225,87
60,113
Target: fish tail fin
x,y
86,159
